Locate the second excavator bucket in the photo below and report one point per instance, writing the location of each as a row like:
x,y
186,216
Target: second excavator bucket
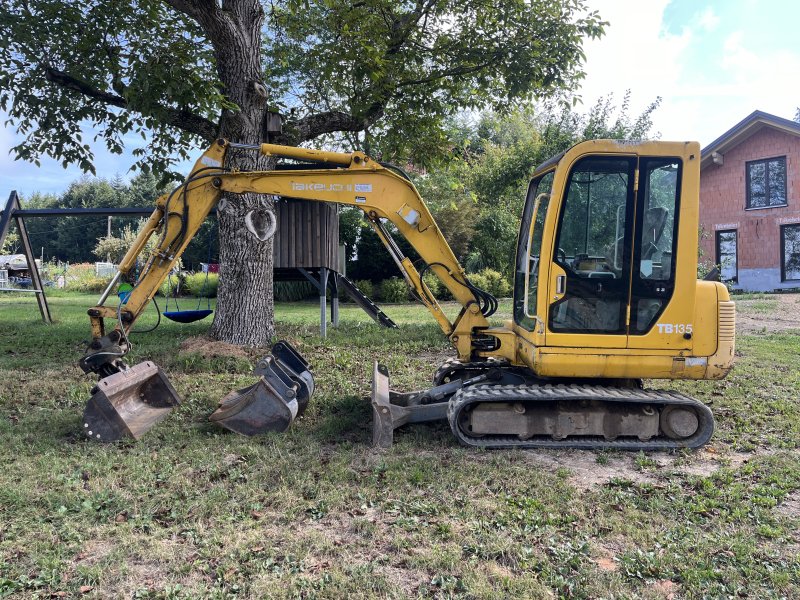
x,y
280,395
129,403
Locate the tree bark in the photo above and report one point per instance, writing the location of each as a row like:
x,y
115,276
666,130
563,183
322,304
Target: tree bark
x,y
244,314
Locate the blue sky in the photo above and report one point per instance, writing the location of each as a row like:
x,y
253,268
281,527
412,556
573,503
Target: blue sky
x,y
712,62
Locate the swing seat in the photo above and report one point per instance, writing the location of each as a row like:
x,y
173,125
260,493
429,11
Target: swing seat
x,y
187,316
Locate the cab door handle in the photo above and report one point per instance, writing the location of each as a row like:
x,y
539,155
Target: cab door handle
x,y
561,284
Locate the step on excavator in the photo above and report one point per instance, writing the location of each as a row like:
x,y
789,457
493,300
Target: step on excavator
x,y
605,295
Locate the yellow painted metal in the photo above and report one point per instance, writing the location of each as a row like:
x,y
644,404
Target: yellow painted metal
x,y
655,354
378,191
194,200
383,194
354,159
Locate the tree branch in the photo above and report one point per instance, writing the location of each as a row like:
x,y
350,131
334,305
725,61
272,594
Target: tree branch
x,y
177,117
315,125
72,83
199,10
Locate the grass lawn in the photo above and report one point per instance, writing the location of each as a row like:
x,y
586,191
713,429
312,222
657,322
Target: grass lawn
x,y
191,511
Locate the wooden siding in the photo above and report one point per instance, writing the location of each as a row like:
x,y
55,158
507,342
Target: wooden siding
x,y
308,235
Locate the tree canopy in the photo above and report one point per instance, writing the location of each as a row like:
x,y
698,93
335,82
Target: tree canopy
x,y
386,75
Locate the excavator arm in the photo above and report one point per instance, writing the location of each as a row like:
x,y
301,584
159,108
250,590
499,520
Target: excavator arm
x,y
356,180
132,399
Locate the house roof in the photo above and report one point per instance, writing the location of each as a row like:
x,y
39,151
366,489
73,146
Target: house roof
x,y
752,123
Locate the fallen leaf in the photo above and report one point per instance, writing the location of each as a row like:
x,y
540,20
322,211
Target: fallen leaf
x,y
85,589
255,514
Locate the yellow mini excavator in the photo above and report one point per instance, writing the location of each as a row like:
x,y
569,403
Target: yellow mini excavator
x,y
605,295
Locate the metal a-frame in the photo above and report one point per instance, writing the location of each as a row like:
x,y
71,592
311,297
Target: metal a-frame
x,y
11,207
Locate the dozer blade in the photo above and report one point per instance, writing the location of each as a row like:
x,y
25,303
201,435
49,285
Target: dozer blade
x,y
129,403
391,410
280,395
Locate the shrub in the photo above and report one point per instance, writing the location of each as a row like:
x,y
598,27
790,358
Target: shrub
x,y
292,291
90,284
173,285
366,287
492,282
394,290
195,284
81,277
436,286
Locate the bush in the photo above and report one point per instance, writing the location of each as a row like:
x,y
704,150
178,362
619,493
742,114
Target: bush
x,y
436,286
90,284
81,277
394,290
173,286
492,282
195,284
366,287
292,291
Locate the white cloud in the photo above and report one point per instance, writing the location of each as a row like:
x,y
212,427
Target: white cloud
x,y
636,53
708,20
706,89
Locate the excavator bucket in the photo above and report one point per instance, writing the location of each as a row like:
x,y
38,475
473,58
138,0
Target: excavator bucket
x,y
129,403
280,395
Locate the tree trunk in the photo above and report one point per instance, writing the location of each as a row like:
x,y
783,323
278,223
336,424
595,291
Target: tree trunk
x,y
247,222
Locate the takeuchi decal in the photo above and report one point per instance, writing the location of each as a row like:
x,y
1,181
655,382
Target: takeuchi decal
x,y
298,186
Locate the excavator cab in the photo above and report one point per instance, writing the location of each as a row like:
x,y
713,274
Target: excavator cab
x,y
601,272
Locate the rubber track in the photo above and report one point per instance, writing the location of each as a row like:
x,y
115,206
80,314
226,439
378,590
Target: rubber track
x,y
453,364
550,393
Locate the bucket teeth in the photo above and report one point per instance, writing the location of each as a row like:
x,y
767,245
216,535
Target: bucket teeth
x,y
127,404
279,396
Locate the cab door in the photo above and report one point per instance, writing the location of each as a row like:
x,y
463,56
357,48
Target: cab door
x,y
590,278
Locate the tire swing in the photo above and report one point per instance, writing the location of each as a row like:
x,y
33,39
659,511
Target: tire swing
x,y
190,316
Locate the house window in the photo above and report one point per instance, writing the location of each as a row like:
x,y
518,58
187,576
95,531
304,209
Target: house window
x,y
727,255
790,252
766,182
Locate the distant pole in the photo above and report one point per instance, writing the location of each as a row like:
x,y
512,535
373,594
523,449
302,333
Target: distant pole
x,y
108,256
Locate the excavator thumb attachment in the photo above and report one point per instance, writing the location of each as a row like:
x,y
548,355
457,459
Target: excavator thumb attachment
x,y
129,403
280,395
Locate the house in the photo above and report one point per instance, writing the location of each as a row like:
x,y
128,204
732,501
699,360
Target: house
x,y
750,203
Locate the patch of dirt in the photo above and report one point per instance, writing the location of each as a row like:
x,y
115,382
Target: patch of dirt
x,y
405,580
664,588
790,507
784,316
208,348
585,472
94,551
